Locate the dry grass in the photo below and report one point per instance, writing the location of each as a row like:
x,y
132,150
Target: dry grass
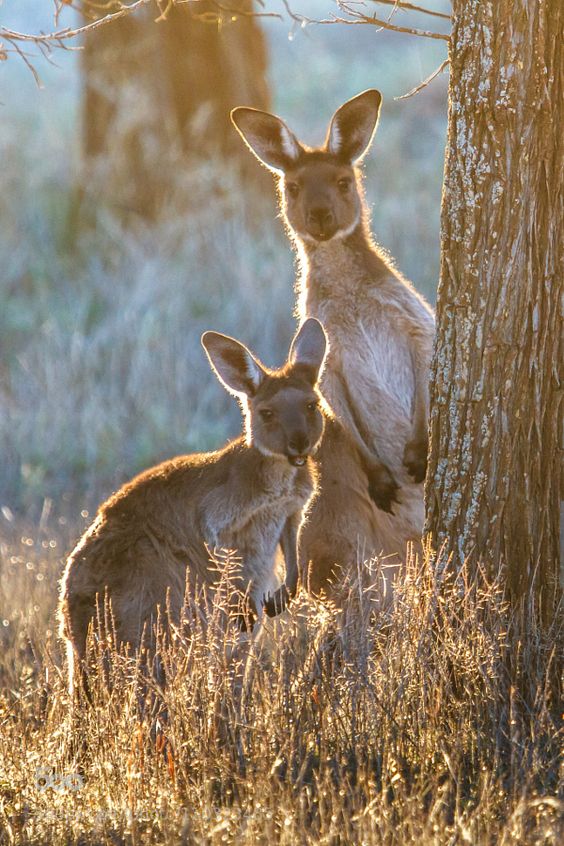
x,y
436,724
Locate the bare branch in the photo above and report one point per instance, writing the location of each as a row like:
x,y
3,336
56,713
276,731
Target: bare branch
x,y
116,9
359,18
23,56
399,4
234,11
58,38
296,16
425,82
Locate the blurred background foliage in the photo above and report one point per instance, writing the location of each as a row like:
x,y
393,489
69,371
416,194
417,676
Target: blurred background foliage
x,y
103,297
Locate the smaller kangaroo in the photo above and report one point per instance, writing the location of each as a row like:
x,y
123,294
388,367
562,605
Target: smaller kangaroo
x,y
158,532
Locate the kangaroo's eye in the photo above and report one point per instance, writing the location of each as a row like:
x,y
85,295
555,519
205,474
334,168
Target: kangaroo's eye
x,y
344,184
293,189
311,406
266,414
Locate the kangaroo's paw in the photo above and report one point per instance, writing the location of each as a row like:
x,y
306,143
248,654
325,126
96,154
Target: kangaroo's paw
x,y
415,459
277,602
382,487
247,616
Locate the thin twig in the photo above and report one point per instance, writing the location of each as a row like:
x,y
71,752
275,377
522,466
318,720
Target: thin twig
x,y
57,38
235,11
45,42
23,56
125,9
425,82
399,4
360,19
296,16
68,33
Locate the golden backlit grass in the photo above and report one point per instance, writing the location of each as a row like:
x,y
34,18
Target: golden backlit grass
x,y
436,724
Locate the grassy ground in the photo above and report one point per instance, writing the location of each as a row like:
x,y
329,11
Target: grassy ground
x,y
437,724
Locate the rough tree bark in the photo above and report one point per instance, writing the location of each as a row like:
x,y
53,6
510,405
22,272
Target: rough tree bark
x,y
157,97
494,481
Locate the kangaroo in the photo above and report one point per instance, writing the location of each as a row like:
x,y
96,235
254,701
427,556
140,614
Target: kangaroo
x,y
159,532
380,333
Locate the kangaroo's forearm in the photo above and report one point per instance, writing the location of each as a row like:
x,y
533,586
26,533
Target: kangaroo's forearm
x,y
289,543
416,448
342,406
279,601
421,407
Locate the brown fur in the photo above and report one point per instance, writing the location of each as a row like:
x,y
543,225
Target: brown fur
x,y
163,528
380,332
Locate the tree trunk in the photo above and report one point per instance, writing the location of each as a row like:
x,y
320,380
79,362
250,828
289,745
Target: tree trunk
x,y
493,486
157,98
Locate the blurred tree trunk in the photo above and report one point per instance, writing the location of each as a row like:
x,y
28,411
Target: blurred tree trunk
x,y
157,98
494,481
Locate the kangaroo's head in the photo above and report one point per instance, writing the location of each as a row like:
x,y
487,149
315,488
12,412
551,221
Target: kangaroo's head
x,y
320,190
281,407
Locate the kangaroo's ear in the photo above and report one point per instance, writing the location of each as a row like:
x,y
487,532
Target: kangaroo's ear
x,y
309,348
352,126
235,366
267,137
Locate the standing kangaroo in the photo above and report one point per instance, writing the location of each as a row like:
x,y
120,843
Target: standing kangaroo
x,y
380,333
159,531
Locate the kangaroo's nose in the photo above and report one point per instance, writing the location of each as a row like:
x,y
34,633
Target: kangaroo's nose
x,y
298,443
320,216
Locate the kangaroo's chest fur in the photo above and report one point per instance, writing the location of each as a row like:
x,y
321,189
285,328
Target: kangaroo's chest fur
x,y
277,494
274,491
378,327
